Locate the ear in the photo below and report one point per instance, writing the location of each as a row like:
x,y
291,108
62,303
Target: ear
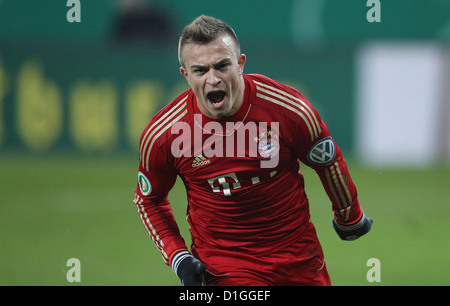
x,y
241,62
185,73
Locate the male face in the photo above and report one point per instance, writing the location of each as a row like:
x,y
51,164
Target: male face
x,y
214,72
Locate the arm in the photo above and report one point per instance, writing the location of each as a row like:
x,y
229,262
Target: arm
x,y
317,149
158,220
151,199
156,178
326,159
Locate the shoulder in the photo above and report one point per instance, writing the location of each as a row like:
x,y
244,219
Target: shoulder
x,y
157,130
171,111
288,101
278,93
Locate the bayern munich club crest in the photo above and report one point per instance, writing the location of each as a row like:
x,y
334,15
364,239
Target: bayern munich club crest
x,y
268,145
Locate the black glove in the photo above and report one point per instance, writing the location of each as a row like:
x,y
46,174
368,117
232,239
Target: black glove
x,y
353,231
188,268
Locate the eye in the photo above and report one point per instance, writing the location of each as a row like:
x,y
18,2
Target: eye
x,y
224,66
199,70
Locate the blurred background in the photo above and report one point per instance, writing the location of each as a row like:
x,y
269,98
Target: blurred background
x,y
79,80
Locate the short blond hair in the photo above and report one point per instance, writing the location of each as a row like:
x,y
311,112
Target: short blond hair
x,y
204,30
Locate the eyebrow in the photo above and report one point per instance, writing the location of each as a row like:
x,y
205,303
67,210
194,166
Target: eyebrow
x,y
221,62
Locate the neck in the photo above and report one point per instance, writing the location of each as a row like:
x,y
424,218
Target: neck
x,y
239,99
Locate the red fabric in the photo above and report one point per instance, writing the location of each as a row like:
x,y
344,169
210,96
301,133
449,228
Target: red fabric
x,y
300,263
244,214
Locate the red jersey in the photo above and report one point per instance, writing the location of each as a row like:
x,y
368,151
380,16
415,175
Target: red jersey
x,y
244,188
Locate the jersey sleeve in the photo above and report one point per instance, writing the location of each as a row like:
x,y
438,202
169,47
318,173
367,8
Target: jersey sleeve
x,y
318,150
156,178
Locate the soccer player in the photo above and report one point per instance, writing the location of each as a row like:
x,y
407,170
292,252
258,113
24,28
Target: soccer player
x,y
236,140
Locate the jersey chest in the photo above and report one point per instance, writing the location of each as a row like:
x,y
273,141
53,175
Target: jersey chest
x,y
227,164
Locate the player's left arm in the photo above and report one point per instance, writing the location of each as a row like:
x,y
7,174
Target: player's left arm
x,y
323,155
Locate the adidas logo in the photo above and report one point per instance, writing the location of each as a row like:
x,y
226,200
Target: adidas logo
x,y
200,161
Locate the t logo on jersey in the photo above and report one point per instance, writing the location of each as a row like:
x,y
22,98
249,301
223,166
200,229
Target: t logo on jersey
x,y
226,187
323,152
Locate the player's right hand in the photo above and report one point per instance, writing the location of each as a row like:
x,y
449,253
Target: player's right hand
x,y
189,269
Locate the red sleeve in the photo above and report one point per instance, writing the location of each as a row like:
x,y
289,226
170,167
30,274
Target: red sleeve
x,y
317,149
156,178
335,177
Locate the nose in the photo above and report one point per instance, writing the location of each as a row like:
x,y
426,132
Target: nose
x,y
212,79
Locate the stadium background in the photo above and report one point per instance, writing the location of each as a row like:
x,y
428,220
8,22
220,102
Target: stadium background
x,y
74,98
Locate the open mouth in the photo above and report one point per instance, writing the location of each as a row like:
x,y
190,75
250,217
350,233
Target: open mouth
x,y
216,98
